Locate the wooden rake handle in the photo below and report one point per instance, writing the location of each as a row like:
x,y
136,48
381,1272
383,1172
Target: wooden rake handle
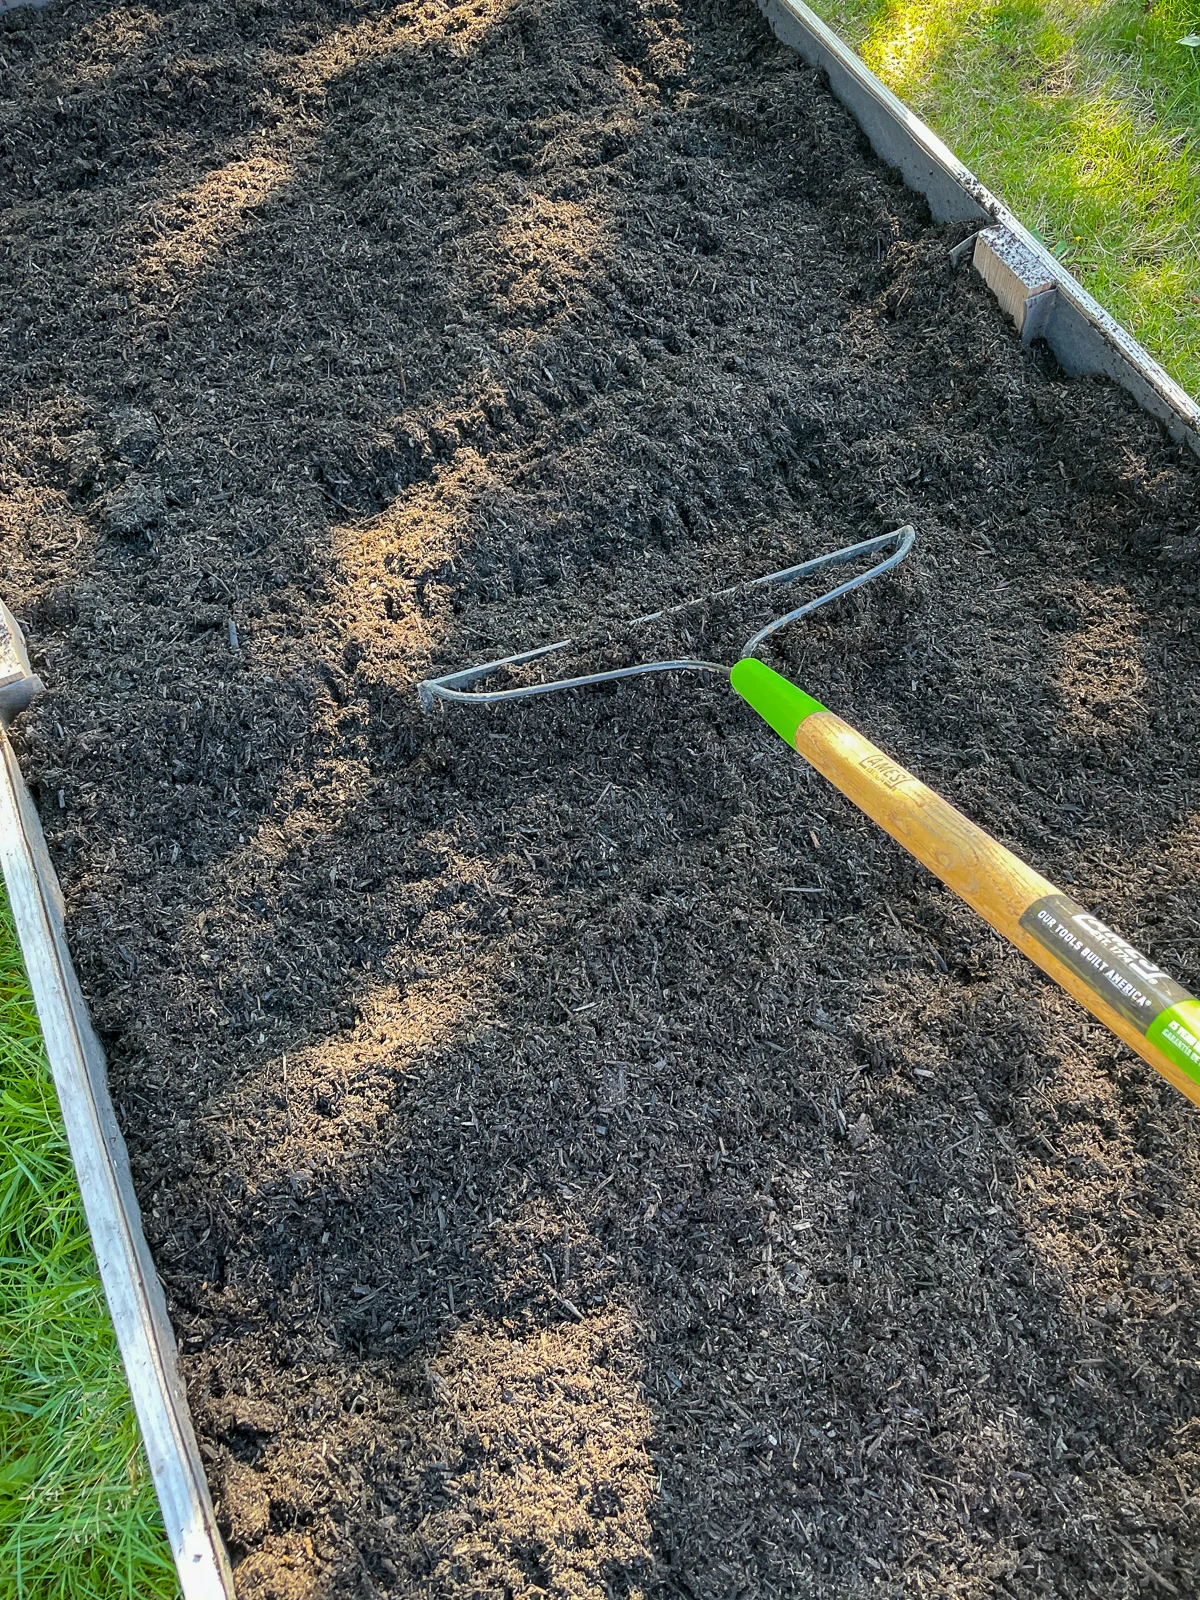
x,y
1128,993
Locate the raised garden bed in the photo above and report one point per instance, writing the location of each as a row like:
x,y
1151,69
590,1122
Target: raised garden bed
x,y
547,1197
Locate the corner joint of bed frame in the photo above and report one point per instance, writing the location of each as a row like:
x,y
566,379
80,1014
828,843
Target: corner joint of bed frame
x,y
19,684
1018,279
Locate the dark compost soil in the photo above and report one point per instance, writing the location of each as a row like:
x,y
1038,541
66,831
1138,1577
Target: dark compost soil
x,y
553,1192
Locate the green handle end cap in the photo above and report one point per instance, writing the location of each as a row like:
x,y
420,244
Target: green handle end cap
x,y
775,699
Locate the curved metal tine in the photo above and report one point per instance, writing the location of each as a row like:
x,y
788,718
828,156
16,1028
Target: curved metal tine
x,y
438,688
838,558
802,569
904,538
446,688
449,686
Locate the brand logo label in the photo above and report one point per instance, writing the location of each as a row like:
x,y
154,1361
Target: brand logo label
x,y
882,767
1110,966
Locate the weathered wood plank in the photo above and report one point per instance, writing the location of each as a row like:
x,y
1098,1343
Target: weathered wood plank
x,y
134,1294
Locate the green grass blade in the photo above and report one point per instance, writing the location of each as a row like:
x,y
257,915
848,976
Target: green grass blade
x,y
1084,119
78,1516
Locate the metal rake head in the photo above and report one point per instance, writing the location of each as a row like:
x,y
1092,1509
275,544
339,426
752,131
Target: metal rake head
x,y
450,687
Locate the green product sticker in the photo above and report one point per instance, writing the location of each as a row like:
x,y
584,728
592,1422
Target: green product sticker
x,y
1133,985
1177,1034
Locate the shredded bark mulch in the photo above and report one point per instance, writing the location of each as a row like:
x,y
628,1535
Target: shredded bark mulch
x,y
584,1157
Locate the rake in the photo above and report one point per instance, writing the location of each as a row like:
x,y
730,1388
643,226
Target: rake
x,y
451,687
1131,995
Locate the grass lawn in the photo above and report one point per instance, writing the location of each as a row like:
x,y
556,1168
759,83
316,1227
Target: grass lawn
x,y
78,1516
1084,118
